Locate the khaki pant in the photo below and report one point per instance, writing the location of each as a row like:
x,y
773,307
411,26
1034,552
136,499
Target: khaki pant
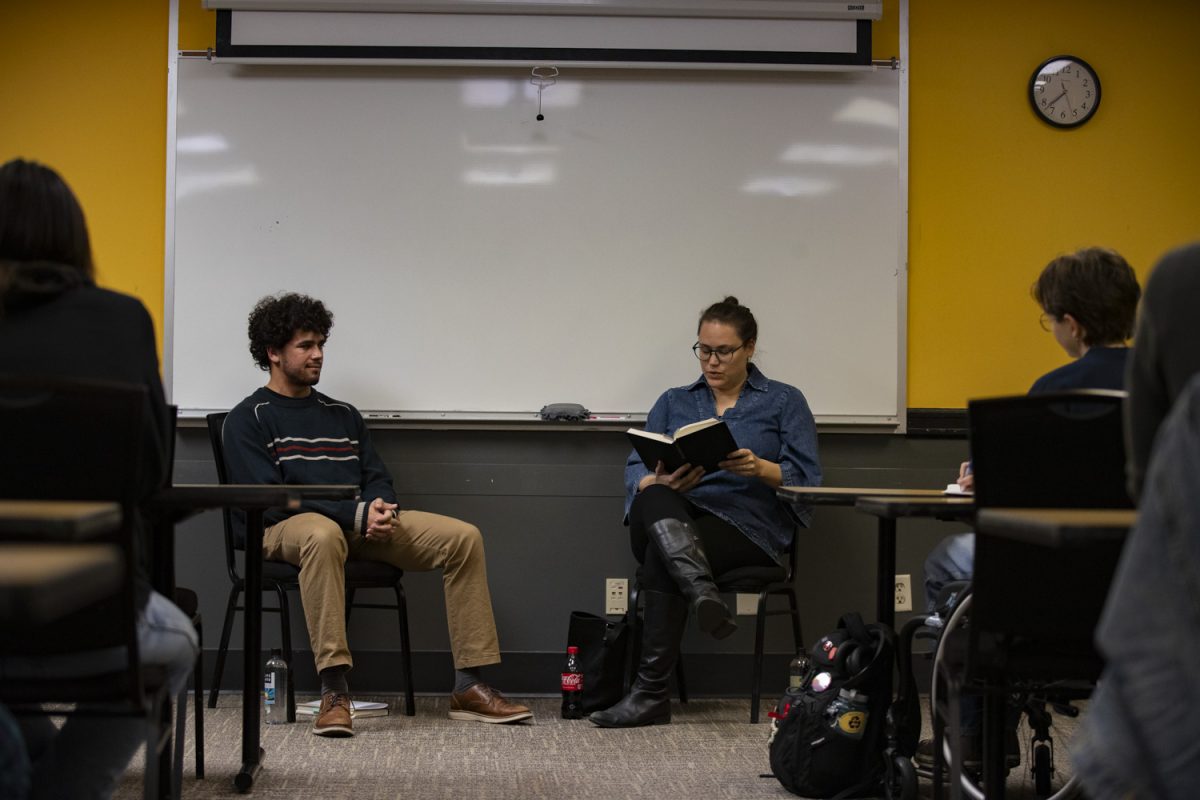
x,y
424,541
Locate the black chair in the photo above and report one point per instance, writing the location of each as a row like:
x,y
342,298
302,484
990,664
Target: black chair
x,y
1032,609
189,604
1055,450
82,440
766,582
280,577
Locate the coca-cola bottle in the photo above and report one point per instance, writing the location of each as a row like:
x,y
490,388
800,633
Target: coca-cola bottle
x,y
572,686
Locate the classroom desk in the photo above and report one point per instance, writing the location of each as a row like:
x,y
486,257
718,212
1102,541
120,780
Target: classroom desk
x,y
897,502
179,501
60,520
1058,527
41,582
1088,539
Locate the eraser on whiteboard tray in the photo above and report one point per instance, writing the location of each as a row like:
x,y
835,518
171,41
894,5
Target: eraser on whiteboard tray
x,y
567,412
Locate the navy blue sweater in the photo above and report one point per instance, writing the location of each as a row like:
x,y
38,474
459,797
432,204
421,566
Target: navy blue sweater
x,y
270,438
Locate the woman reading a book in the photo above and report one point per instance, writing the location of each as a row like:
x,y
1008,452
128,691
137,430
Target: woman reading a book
x,y
687,525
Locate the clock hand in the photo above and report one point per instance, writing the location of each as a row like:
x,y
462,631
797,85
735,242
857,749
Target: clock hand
x,y
1060,97
1067,96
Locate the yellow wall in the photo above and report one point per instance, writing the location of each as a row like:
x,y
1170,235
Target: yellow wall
x,y
83,89
993,192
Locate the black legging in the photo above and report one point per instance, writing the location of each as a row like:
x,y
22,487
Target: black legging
x,y
726,547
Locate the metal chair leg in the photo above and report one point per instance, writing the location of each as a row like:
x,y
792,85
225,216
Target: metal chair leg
x,y
223,647
410,704
760,630
285,623
198,677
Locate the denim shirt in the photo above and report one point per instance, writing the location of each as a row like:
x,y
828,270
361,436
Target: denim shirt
x,y
771,419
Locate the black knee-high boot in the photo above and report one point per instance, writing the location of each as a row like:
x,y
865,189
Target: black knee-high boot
x,y
687,565
649,700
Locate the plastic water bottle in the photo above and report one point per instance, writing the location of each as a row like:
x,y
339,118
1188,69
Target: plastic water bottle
x,y
275,689
798,671
572,686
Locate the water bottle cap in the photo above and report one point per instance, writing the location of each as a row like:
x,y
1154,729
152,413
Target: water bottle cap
x,y
572,649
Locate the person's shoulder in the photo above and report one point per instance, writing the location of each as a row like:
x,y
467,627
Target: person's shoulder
x,y
1057,379
92,299
336,406
249,406
759,380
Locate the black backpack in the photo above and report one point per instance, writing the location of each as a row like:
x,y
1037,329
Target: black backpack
x,y
839,733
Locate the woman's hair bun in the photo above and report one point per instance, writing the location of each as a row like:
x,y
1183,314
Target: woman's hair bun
x,y
731,300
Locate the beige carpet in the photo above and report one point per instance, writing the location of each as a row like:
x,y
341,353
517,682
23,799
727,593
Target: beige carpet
x,y
709,751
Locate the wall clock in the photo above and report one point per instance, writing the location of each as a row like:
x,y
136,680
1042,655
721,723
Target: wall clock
x,y
1065,91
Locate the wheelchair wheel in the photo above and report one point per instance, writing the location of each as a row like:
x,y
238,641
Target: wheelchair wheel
x,y
1046,747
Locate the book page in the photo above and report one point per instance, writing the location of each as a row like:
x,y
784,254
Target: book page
x,y
658,437
692,427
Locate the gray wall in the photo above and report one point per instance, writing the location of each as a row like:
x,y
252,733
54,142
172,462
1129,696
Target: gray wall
x,y
549,503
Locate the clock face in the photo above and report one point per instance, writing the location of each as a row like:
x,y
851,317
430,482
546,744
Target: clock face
x,y
1065,91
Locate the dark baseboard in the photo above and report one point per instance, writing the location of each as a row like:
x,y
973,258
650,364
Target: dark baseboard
x,y
707,674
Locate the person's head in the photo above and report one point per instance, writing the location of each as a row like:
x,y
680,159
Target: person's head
x,y
40,219
725,340
1165,357
287,338
1089,299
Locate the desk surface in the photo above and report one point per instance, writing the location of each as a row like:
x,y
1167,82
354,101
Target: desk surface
x,y
940,506
1057,527
846,495
38,520
41,582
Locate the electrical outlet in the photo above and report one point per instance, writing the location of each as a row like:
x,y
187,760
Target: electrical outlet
x,y
904,593
747,604
616,595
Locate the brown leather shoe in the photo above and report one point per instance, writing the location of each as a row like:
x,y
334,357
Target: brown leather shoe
x,y
333,718
482,703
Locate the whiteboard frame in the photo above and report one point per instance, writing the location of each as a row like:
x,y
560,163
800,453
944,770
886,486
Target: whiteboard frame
x,y
444,419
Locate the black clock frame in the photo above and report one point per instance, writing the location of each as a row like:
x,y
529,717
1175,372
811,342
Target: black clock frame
x,y
1033,100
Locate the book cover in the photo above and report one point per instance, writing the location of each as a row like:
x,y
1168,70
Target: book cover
x,y
358,708
705,443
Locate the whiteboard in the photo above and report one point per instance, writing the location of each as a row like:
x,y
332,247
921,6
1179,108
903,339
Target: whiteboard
x,y
479,261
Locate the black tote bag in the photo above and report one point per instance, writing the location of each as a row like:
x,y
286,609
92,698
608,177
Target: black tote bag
x,y
602,646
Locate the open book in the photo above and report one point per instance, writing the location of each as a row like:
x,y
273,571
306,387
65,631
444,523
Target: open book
x,y
703,444
359,708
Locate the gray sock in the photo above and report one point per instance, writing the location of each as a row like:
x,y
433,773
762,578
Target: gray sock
x,y
466,678
333,679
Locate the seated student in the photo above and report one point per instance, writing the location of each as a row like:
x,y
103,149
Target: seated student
x,y
55,321
1089,300
287,432
685,526
1139,737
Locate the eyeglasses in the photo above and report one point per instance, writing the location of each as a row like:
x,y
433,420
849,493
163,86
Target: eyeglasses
x,y
1047,320
704,352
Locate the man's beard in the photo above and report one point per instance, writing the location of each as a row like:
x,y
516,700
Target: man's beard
x,y
302,377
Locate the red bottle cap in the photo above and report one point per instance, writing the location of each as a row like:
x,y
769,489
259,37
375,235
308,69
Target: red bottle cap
x,y
572,649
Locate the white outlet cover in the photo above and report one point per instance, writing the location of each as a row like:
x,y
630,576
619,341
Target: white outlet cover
x,y
747,604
